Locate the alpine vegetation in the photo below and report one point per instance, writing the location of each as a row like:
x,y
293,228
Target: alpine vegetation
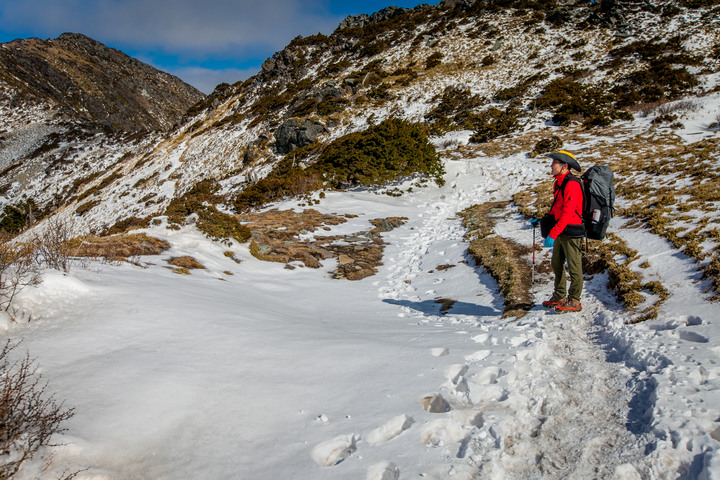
x,y
337,267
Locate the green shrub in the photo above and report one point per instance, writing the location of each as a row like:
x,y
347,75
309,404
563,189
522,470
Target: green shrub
x,y
382,153
493,123
213,223
592,105
16,218
455,103
90,204
487,60
520,89
338,67
372,49
381,92
13,220
659,81
699,3
219,226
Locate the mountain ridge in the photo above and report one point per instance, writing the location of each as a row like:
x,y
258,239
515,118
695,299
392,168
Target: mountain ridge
x,y
86,80
513,76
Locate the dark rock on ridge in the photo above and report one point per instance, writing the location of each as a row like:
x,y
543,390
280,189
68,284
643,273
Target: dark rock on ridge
x,y
293,134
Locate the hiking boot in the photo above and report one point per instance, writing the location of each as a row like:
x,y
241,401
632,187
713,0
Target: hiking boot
x,y
554,302
571,305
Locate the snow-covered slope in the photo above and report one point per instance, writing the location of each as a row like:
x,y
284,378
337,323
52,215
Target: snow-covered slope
x,y
251,370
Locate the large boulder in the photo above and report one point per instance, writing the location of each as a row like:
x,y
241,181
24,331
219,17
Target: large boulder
x,y
293,134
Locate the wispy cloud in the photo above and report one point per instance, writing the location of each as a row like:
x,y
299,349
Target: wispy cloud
x,y
206,79
203,42
194,29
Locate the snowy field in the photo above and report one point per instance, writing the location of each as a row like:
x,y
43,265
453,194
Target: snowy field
x,y
253,371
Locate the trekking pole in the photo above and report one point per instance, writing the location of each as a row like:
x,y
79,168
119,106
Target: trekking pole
x,y
532,278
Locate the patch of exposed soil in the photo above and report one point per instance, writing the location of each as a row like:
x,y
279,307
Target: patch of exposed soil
x,y
287,236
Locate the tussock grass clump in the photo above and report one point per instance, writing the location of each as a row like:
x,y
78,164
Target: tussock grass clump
x,y
126,224
546,145
712,271
503,258
534,201
186,262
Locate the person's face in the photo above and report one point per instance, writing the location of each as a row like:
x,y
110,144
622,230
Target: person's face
x,y
557,167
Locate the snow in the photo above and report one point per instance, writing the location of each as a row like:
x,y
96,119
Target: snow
x,y
250,370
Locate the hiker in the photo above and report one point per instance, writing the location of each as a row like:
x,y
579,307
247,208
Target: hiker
x,y
563,230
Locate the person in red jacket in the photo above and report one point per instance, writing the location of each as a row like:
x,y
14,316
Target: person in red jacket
x,y
565,237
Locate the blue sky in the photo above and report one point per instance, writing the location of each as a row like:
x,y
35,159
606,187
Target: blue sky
x,y
204,42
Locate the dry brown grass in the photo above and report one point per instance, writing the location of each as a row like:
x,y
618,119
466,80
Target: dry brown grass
x,y
186,262
276,238
616,258
117,247
503,258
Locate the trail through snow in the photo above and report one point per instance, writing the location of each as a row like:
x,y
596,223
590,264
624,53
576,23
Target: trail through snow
x,y
565,415
276,373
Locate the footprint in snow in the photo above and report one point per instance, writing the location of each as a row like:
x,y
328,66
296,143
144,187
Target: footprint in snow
x,y
482,338
488,375
478,356
689,336
455,372
390,430
383,471
335,450
443,432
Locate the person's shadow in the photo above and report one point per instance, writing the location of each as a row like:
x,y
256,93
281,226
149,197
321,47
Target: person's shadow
x,y
443,306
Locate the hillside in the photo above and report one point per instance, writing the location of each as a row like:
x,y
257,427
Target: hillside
x,y
82,79
329,271
72,105
512,75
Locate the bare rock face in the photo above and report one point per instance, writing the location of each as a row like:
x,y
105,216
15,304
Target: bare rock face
x,y
359,21
85,80
293,134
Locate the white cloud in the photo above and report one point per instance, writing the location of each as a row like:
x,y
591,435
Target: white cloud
x,y
205,79
187,27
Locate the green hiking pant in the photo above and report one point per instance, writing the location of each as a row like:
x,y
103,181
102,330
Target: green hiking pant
x,y
570,250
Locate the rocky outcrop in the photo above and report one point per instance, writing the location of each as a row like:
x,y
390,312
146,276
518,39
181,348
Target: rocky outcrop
x,y
359,21
292,134
84,79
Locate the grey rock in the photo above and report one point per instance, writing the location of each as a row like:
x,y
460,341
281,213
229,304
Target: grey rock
x,y
292,134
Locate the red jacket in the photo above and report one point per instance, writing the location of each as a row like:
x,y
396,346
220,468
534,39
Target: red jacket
x,y
568,205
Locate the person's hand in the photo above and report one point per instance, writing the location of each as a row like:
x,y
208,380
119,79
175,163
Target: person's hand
x,y
549,241
535,222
